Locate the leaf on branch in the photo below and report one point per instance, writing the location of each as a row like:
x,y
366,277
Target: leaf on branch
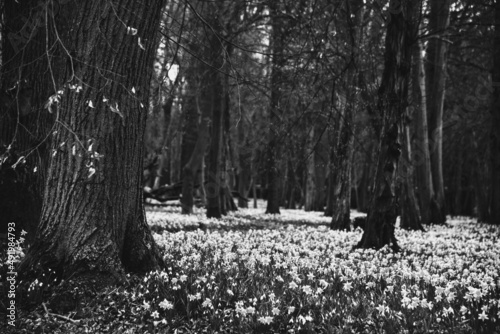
x,y
52,99
115,109
140,44
21,160
90,104
133,90
131,31
91,171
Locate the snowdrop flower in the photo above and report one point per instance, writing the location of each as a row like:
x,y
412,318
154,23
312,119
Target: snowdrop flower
x,y
207,303
265,320
381,309
250,310
307,289
275,311
323,283
166,305
347,286
483,316
291,309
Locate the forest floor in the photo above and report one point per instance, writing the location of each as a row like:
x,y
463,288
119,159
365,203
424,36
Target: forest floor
x,y
255,273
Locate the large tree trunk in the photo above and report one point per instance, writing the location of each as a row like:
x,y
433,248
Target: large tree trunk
x,y
421,155
393,96
92,219
494,215
436,88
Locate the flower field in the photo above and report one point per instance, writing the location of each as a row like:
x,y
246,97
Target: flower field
x,y
257,273
252,272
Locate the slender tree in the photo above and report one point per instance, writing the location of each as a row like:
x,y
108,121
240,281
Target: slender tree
x,y
392,101
439,19
494,215
275,110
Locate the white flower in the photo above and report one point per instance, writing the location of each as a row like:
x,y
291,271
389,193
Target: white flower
x,y
293,285
291,309
307,289
166,305
483,316
207,303
275,311
323,283
155,315
146,305
347,286
183,278
265,320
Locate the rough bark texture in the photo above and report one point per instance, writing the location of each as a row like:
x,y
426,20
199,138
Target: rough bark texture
x,y
410,211
421,155
341,161
275,113
92,217
393,94
436,88
494,215
213,186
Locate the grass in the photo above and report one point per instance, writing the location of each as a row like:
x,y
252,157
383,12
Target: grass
x,y
257,273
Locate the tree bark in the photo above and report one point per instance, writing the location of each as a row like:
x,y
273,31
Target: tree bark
x,y
310,176
436,88
494,216
421,155
275,112
92,219
344,149
410,211
392,101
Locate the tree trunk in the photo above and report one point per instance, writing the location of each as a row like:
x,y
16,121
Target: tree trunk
x,y
92,218
344,149
162,171
245,161
275,112
392,101
320,167
410,211
195,163
494,216
436,88
421,155
310,186
341,182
